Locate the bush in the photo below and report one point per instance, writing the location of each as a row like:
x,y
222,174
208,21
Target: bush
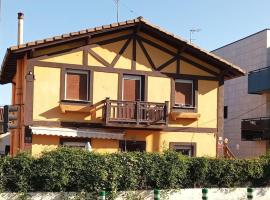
x,y
77,170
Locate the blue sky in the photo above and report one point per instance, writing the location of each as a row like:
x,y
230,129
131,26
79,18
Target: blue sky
x,y
221,22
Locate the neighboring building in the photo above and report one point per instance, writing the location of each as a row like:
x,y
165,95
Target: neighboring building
x,y
120,87
247,98
4,138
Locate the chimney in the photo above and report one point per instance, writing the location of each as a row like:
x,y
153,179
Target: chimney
x,y
20,28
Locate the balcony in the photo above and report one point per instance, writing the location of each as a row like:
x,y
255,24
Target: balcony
x,y
135,114
255,129
259,81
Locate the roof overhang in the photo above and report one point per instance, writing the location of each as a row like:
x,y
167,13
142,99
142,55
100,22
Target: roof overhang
x,y
14,53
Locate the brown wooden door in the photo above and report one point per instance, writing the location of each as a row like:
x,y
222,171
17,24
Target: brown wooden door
x,y
132,89
131,92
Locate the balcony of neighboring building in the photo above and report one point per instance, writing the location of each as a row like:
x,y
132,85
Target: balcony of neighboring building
x,y
259,81
255,129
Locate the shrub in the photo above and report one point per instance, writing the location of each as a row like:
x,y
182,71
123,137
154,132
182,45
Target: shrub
x,y
76,170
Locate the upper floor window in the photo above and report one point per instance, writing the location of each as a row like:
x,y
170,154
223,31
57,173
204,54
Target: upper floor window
x,y
77,85
132,88
184,93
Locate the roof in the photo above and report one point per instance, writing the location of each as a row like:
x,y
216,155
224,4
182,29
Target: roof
x,y
15,52
243,38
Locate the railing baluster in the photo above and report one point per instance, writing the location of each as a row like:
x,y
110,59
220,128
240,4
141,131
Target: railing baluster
x,y
137,112
107,110
166,112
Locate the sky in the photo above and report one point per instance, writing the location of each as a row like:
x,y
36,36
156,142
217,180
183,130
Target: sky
x,y
220,22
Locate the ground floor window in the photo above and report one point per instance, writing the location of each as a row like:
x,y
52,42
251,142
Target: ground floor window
x,y
75,142
126,145
187,149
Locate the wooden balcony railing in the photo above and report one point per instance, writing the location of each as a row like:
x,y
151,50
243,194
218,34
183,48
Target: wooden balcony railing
x,y
1,119
135,113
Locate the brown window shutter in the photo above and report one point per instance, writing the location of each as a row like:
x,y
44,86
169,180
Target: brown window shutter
x,y
131,90
183,93
76,86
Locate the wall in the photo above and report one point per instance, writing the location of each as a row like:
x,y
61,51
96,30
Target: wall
x,y
187,194
41,143
249,53
159,141
48,71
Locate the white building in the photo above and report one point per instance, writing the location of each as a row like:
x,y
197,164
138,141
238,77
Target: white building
x,y
250,53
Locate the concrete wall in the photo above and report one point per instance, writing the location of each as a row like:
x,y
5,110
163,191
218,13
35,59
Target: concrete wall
x,y
249,53
185,194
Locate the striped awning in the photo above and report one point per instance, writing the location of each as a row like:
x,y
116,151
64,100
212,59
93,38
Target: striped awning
x,y
80,132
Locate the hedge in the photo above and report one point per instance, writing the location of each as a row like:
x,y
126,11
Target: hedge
x,y
76,170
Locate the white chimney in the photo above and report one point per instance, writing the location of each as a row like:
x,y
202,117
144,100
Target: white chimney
x,y
20,28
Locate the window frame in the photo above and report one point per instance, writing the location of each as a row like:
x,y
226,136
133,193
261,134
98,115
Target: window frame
x,y
74,140
193,98
76,71
192,145
133,77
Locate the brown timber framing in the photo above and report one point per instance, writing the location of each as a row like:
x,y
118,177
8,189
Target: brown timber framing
x,y
126,71
121,52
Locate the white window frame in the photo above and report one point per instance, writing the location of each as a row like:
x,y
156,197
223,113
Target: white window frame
x,y
75,71
75,144
192,93
132,77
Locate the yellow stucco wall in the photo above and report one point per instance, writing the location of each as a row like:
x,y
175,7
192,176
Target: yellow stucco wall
x,y
71,58
159,89
104,146
155,142
47,97
41,143
105,85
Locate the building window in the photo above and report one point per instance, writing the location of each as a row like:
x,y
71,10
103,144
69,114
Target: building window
x,y
125,145
187,149
75,142
184,93
132,88
225,112
77,85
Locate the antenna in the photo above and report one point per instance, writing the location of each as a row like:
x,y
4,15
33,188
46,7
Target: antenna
x,y
191,32
117,9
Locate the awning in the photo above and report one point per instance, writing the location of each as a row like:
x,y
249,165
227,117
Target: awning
x,y
82,133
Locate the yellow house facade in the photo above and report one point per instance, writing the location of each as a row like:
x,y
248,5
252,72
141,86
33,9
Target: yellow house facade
x,y
128,86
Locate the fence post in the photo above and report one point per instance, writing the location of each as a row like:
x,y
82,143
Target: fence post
x,y
102,195
156,194
249,193
204,194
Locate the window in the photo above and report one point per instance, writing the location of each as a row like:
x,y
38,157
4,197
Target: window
x,y
184,93
76,85
132,88
183,148
132,145
225,112
75,142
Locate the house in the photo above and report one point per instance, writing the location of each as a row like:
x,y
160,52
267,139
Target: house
x,y
128,86
247,99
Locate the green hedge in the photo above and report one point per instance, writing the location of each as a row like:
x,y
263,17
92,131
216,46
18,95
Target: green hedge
x,y
78,170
